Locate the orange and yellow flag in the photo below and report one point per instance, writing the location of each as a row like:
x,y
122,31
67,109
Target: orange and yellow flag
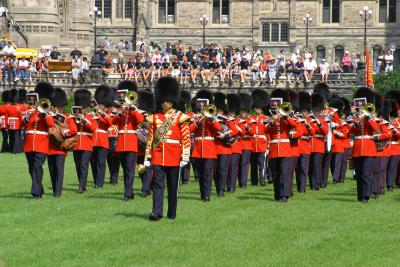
x,y
369,80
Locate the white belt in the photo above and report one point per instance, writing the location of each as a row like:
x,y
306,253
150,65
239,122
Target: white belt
x,y
260,136
362,137
305,138
13,118
101,131
319,136
246,136
171,141
84,133
394,143
279,141
36,132
204,138
127,131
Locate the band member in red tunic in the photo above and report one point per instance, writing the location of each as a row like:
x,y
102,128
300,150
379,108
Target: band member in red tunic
x,y
86,126
36,141
104,97
168,146
57,154
338,135
205,129
259,138
14,121
5,97
346,139
187,98
245,139
394,145
364,148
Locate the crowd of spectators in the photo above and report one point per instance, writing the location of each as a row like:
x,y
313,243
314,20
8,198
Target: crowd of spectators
x,y
186,64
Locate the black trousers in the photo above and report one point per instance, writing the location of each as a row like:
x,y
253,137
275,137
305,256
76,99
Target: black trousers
x,y
16,141
56,169
160,174
376,176
128,163
392,170
384,165
343,166
364,167
5,147
293,163
146,177
221,172
302,172
193,161
257,170
326,162
113,161
315,170
98,164
280,175
82,159
233,171
244,165
35,163
186,173
205,169
336,165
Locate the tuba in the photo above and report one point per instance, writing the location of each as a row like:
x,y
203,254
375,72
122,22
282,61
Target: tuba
x,y
209,111
285,109
44,105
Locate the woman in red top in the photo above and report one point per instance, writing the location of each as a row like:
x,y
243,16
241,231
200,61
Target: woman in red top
x,y
36,141
56,155
86,126
104,97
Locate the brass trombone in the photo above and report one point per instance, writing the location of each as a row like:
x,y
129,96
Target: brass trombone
x,y
44,105
209,111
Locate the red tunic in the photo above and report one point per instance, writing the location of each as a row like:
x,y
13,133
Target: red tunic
x,y
259,138
37,133
394,144
3,115
279,146
100,136
54,150
237,146
204,144
337,138
295,135
85,133
246,139
175,145
14,117
222,147
385,135
317,140
305,139
127,130
363,145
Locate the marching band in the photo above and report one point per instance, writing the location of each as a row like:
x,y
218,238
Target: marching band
x,y
278,138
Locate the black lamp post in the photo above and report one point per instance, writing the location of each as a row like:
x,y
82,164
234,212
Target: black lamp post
x,y
307,20
365,15
204,21
94,14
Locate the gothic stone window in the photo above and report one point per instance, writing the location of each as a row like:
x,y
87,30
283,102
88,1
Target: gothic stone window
x,y
123,9
274,32
166,11
320,53
387,11
220,11
330,11
339,52
105,7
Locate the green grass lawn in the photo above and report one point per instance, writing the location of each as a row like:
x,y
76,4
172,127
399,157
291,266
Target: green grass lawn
x,y
247,228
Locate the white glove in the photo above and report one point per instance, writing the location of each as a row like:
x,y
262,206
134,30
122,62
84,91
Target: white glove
x,y
183,163
334,125
147,163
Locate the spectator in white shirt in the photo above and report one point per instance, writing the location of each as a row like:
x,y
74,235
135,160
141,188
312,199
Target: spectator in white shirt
x,y
106,43
324,69
23,66
9,49
388,61
76,68
309,68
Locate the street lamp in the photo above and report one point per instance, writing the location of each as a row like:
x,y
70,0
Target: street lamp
x,y
94,14
3,11
204,21
307,20
365,15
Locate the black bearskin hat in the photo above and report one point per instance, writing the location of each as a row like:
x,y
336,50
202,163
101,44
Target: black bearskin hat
x,y
347,106
82,97
317,102
180,105
322,89
187,97
205,94
338,104
146,101
60,98
22,95
193,104
130,85
166,90
233,103
5,96
387,110
260,98
14,97
219,101
293,99
365,92
104,95
304,101
280,93
393,107
44,90
246,101
379,100
394,94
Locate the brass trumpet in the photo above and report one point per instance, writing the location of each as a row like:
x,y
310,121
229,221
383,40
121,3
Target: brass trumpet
x,y
44,105
285,109
131,98
209,111
367,110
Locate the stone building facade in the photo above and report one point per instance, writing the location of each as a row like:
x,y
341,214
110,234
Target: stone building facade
x,y
266,24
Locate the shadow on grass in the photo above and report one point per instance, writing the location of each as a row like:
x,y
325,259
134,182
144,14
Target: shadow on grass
x,y
338,199
133,215
254,197
20,195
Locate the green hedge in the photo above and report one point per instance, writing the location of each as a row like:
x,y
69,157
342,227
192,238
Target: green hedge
x,y
387,81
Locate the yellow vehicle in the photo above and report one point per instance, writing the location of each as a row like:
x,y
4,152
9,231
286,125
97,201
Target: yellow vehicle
x,y
27,52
